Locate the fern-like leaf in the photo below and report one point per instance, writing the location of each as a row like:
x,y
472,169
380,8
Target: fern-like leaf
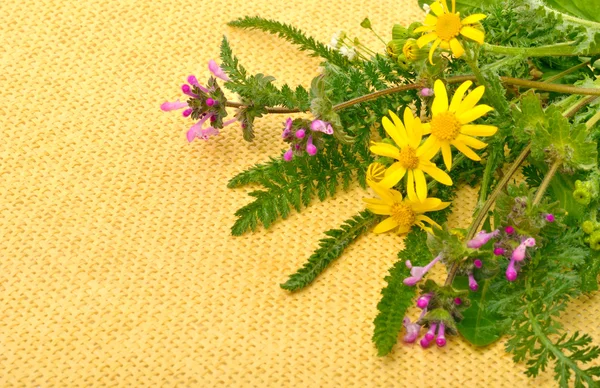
x,y
330,248
293,35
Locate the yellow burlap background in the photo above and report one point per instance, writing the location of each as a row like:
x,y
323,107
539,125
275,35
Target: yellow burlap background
x,y
116,263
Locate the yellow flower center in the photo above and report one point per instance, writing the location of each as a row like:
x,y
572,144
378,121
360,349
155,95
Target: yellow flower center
x,y
410,50
445,126
403,214
448,26
408,158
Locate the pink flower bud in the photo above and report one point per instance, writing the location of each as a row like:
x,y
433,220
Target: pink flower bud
x,y
499,251
509,230
289,154
478,263
300,133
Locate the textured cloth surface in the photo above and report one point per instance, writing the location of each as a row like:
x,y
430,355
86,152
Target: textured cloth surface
x,y
116,263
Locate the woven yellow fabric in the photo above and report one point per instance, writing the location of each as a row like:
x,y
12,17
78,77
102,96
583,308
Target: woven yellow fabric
x,y
116,263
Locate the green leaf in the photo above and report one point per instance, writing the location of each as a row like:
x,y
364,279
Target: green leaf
x,y
586,9
293,35
330,248
396,296
479,325
557,139
529,117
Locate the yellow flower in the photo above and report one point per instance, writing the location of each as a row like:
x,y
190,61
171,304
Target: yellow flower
x,y
444,29
412,159
449,125
403,213
376,172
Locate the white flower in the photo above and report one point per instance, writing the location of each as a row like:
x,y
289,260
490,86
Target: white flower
x,y
348,52
426,8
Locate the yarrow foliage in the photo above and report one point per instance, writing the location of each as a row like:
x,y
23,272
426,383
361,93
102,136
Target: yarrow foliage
x,y
463,95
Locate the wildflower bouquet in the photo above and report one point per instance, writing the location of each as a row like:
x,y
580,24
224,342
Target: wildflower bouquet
x,y
503,98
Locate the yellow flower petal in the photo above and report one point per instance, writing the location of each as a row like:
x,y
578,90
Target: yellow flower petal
x,y
426,128
471,100
437,8
410,186
380,209
421,184
403,229
447,155
440,102
472,33
385,225
426,205
397,134
435,44
471,142
471,19
445,45
469,153
393,177
428,149
428,220
385,194
375,201
457,48
413,128
399,125
478,130
436,173
474,114
458,95
424,29
425,39
385,149
430,20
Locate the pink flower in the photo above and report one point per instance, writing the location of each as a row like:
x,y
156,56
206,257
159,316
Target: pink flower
x,y
472,282
426,92
412,330
310,147
417,273
321,126
289,154
481,239
217,71
423,301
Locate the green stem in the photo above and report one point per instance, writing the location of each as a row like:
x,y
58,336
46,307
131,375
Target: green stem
x,y
486,179
568,71
570,111
539,194
488,204
560,356
591,122
233,104
560,49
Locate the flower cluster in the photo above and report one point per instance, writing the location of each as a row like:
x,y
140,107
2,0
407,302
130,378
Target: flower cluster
x,y
205,104
412,155
304,136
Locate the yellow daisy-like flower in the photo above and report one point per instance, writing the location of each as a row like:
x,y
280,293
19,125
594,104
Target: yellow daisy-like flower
x,y
412,159
449,124
444,27
403,213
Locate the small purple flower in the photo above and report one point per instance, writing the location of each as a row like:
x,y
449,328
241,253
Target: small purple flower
x,y
310,147
441,339
457,301
417,273
499,251
426,92
430,335
211,102
289,154
187,90
300,134
472,282
287,130
423,301
321,126
412,330
550,217
509,230
217,71
192,80
511,271
519,252
478,263
168,106
481,239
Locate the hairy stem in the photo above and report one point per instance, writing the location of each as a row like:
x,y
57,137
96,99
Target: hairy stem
x,y
568,71
232,104
488,204
560,49
570,111
539,194
591,122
